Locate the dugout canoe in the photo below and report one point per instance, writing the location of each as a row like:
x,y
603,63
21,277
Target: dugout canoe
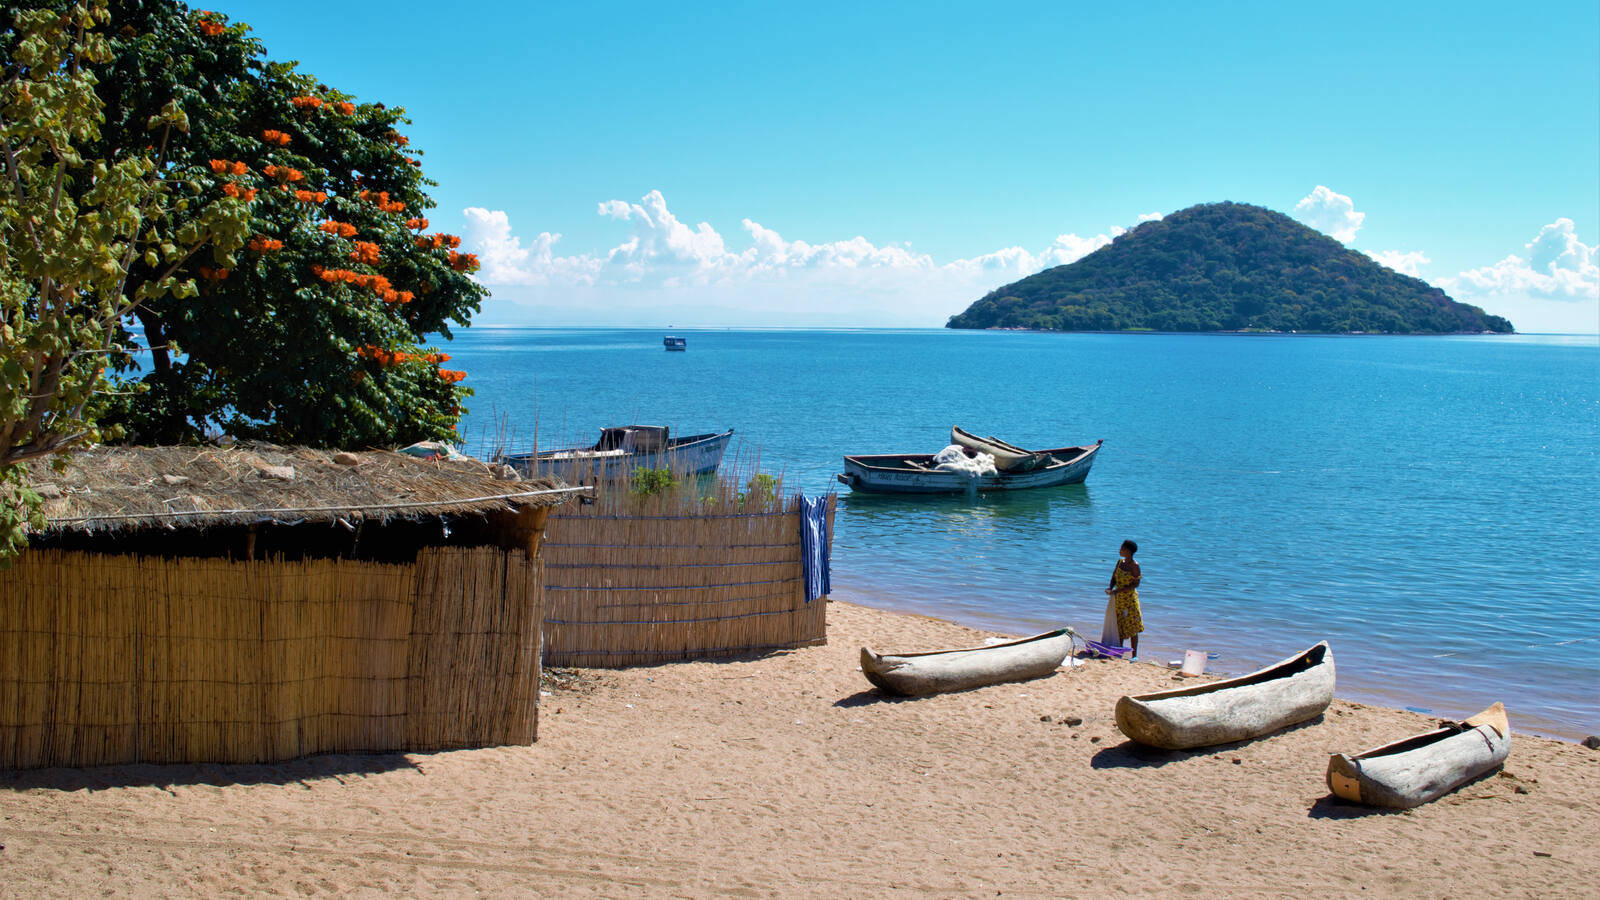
x,y
1238,709
1424,767
1007,457
942,671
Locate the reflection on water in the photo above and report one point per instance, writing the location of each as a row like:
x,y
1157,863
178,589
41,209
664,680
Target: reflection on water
x,y
979,516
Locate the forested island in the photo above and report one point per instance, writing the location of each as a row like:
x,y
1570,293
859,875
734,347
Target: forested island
x,y
1226,267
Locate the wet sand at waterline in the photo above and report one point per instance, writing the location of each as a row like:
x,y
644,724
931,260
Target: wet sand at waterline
x,y
788,775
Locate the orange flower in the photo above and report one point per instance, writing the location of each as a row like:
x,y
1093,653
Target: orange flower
x,y
399,139
231,189
437,358
206,26
240,168
307,196
411,161
274,136
261,244
463,262
451,376
219,165
283,173
416,224
305,102
211,274
345,107
365,252
250,195
341,229
383,201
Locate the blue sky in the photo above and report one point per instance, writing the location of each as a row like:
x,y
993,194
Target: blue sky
x,y
878,164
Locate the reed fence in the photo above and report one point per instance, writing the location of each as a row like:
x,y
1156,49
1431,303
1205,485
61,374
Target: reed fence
x,y
114,659
706,570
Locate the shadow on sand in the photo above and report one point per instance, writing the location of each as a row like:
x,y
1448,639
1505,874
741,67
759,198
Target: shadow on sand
x,y
312,768
1331,807
870,696
1134,755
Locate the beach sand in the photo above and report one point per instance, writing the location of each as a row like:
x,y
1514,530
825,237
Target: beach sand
x,y
787,775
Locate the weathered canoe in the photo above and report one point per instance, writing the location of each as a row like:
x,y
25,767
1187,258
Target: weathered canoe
x,y
1238,709
1423,767
1007,457
941,671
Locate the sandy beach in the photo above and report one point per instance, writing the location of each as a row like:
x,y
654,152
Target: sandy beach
x,y
786,775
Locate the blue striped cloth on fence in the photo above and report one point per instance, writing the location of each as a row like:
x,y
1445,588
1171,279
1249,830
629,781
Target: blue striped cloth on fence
x,y
814,545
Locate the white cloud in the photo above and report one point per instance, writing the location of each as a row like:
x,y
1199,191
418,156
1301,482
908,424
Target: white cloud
x,y
1558,266
1406,262
1331,213
664,260
505,261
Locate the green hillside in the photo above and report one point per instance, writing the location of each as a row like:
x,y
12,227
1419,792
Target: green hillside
x,y
1226,267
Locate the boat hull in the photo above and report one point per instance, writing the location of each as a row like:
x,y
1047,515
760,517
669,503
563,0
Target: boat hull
x,y
943,671
1239,709
895,473
1424,767
698,454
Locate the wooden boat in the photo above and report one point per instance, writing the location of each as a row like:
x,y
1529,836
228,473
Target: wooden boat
x,y
1423,767
1007,457
914,473
942,671
1238,709
621,450
675,343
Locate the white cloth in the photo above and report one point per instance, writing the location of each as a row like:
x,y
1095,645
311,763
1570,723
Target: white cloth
x,y
954,459
1108,632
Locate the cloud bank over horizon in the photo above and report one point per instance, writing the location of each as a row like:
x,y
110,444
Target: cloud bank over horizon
x,y
666,263
668,271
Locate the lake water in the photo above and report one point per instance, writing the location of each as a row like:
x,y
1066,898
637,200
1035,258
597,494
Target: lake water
x,y
1428,505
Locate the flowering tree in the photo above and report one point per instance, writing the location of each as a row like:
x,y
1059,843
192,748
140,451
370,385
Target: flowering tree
x,y
74,222
314,333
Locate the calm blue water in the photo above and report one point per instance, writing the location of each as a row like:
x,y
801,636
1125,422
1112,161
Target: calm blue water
x,y
1429,505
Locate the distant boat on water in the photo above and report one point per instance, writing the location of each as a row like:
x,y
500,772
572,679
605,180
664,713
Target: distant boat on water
x,y
675,343
622,449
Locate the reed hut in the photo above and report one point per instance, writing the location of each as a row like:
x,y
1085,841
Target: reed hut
x,y
251,604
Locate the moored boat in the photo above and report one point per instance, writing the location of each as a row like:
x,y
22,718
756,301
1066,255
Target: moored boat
x,y
671,342
942,671
621,450
1237,709
915,473
1423,767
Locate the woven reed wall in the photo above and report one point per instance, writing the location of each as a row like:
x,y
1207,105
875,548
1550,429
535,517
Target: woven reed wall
x,y
637,588
114,659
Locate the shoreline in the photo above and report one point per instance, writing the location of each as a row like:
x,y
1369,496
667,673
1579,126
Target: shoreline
x,y
787,774
1354,689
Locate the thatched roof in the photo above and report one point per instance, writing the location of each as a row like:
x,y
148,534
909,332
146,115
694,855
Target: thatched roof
x,y
131,488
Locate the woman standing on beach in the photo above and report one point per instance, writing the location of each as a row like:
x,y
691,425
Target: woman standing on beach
x,y
1124,597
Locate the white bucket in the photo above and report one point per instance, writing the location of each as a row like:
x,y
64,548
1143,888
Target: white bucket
x,y
1194,662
